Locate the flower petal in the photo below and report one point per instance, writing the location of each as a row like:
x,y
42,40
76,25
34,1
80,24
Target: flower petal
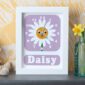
x,y
50,38
40,23
32,26
31,34
31,30
36,41
48,24
43,22
47,41
36,24
33,39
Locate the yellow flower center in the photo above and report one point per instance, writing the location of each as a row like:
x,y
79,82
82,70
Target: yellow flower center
x,y
77,30
42,33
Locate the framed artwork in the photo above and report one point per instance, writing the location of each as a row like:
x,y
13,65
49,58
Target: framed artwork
x,y
42,40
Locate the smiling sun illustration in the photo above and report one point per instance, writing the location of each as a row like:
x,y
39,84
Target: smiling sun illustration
x,y
41,32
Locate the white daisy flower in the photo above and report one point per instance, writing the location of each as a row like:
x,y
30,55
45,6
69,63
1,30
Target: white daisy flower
x,y
41,32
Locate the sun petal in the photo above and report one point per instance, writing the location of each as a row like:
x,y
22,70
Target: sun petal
x,y
50,27
53,30
36,41
32,26
33,39
31,30
31,34
48,24
53,34
40,22
50,38
47,41
36,24
44,21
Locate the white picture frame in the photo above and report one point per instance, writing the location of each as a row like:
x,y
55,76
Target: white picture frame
x,y
48,68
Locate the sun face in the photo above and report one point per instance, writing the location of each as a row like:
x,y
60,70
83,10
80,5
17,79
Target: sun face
x,y
42,33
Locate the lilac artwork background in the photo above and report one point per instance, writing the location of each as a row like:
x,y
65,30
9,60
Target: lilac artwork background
x,y
55,45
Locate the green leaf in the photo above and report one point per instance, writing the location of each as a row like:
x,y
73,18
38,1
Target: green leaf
x,y
42,45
